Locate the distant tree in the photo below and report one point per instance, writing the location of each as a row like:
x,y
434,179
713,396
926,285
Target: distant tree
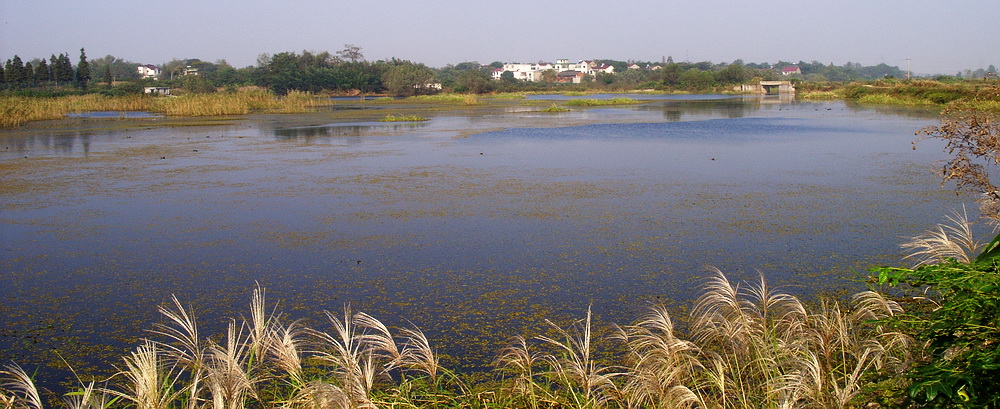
x,y
406,79
64,69
670,59
108,78
29,74
197,84
14,71
549,75
473,81
120,69
735,74
507,77
695,79
83,70
351,53
3,74
42,74
53,67
670,74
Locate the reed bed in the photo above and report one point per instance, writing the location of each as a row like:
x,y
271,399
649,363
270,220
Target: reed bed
x,y
16,111
748,346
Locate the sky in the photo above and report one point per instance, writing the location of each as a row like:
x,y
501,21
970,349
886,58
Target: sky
x,y
932,36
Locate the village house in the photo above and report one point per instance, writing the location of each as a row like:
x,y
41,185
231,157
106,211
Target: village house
x,y
148,71
533,71
791,70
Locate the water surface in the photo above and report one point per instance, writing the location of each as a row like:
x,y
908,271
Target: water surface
x,y
473,226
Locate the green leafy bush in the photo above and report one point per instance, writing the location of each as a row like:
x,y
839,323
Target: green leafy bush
x,y
955,316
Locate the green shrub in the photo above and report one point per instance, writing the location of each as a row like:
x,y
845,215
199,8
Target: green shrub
x,y
955,316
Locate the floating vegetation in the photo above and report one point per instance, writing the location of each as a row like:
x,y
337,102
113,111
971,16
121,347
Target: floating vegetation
x,y
402,118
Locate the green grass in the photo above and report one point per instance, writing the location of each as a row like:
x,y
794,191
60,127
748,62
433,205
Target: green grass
x,y
467,99
602,102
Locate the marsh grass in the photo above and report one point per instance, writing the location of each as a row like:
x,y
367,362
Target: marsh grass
x,y
602,102
17,110
447,98
748,346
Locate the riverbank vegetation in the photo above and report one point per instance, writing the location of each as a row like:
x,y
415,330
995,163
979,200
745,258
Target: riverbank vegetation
x,y
740,345
208,88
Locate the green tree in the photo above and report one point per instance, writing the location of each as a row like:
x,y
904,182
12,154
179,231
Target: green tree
x,y
63,69
507,77
735,74
406,79
42,74
473,81
83,70
29,74
14,71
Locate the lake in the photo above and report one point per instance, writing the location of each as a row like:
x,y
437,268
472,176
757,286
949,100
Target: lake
x,y
475,225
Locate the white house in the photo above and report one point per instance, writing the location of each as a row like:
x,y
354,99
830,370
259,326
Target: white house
x,y
533,71
157,90
149,71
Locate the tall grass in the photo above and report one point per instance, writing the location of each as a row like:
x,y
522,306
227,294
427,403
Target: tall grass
x,y
748,346
17,110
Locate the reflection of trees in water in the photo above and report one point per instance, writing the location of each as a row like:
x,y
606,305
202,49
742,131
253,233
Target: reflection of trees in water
x,y
728,108
61,143
311,133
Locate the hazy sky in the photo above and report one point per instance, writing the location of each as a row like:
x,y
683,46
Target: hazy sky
x,y
937,36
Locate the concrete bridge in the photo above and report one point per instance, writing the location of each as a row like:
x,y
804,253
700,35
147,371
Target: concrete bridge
x,y
768,88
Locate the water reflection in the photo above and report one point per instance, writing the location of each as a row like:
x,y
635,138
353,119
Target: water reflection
x,y
114,114
311,133
483,236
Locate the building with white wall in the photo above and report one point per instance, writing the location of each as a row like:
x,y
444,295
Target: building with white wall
x,y
533,71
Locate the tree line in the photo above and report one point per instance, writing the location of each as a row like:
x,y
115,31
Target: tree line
x,y
348,72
